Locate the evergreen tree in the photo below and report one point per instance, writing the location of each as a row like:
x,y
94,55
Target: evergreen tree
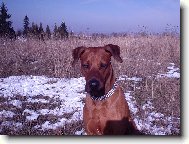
x,y
26,25
55,31
5,24
48,32
41,28
34,30
63,30
19,32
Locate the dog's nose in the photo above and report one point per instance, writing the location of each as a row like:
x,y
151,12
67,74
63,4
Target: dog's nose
x,y
94,84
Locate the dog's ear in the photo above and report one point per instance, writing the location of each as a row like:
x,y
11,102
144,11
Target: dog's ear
x,y
115,51
76,53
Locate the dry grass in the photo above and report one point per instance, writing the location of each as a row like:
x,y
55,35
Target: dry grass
x,y
141,55
144,57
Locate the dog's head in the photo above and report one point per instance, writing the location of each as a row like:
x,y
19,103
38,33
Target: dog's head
x,y
96,66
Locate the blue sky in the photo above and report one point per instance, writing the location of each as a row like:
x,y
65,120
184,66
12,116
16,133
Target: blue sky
x,y
104,16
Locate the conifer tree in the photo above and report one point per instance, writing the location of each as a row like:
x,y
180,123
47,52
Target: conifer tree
x,y
41,28
63,30
48,32
55,31
26,25
5,24
34,30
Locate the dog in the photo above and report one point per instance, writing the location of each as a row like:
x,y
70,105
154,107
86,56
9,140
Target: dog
x,y
106,111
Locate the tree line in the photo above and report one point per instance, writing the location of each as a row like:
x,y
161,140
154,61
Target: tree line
x,y
32,30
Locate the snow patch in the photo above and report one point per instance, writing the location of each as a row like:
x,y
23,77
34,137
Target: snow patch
x,y
6,114
16,103
37,100
47,125
125,77
148,124
32,114
172,72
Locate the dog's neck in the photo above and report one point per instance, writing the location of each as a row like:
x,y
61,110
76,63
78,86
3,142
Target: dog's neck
x,y
110,81
107,95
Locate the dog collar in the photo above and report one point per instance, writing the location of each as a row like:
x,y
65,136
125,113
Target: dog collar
x,y
109,94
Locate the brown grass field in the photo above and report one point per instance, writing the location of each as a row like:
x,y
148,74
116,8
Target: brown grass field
x,y
143,57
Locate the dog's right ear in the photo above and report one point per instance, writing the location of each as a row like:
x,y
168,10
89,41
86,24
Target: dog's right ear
x,y
76,53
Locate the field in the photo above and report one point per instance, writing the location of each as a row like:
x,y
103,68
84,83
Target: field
x,y
42,94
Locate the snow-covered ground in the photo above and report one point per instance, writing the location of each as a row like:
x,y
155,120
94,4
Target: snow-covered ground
x,y
171,73
68,94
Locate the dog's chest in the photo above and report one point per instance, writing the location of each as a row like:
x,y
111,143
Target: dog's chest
x,y
101,110
100,113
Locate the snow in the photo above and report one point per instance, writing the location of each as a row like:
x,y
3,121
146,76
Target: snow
x,y
47,125
131,102
81,132
37,100
32,114
135,79
69,94
6,114
150,117
172,72
16,103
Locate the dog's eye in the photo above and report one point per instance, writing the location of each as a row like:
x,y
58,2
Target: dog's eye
x,y
85,65
102,65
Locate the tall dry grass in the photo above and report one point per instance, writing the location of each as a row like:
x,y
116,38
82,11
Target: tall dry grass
x,y
142,55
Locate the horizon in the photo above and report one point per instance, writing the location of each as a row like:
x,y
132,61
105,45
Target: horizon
x,y
95,16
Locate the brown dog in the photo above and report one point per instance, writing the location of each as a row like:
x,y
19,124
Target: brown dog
x,y
106,110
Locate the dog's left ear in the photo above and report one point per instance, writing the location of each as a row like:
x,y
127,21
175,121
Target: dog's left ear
x,y
115,51
76,53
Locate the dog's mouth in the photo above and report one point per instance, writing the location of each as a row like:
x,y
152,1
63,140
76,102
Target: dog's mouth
x,y
94,88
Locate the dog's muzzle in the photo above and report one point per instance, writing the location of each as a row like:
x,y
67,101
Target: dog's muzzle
x,y
94,88
94,85
98,93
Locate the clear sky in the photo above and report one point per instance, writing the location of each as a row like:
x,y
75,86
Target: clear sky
x,y
97,15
